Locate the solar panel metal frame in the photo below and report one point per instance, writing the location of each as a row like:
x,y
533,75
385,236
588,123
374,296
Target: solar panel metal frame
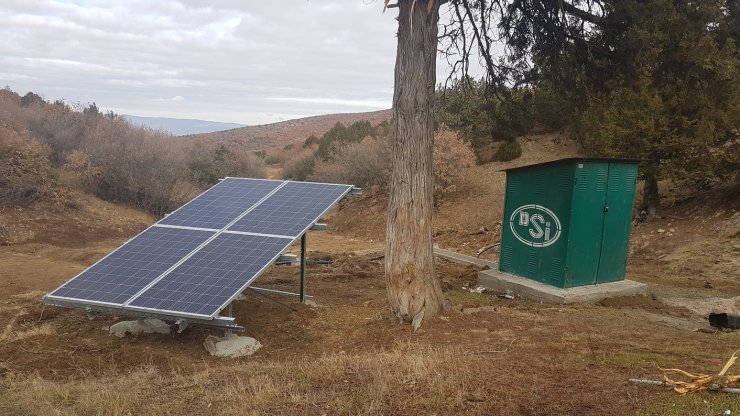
x,y
168,216
213,319
126,305
293,239
308,227
289,242
81,301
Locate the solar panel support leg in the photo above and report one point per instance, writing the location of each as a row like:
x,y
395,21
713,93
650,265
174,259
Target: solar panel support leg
x,y
230,314
303,269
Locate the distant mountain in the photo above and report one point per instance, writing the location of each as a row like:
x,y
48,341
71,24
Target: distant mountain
x,y
291,131
181,126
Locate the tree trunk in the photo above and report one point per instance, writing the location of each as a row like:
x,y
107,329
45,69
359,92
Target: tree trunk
x,y
413,289
650,195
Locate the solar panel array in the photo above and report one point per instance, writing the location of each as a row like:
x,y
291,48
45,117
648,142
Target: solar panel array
x,y
195,261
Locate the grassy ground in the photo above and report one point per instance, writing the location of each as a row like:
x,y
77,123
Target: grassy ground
x,y
345,357
511,357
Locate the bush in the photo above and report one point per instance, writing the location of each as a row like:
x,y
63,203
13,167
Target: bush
x,y
451,157
300,166
508,150
207,163
25,171
335,140
79,166
362,164
367,164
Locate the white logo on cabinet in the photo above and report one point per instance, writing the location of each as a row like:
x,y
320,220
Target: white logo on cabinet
x,y
535,225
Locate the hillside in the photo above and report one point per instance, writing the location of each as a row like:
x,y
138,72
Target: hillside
x,y
180,126
286,132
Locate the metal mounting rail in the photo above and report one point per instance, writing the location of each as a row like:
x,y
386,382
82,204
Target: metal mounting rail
x,y
217,322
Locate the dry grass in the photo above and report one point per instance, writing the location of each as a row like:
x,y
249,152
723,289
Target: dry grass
x,y
395,381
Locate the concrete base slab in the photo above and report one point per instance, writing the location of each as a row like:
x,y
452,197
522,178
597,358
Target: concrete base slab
x,y
532,290
231,346
464,259
142,326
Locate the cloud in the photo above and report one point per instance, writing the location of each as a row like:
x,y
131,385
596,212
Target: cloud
x,y
248,62
175,99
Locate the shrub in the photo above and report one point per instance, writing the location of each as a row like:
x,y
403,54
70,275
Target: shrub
x,y
207,163
300,165
367,163
79,166
451,157
508,150
335,140
25,171
362,164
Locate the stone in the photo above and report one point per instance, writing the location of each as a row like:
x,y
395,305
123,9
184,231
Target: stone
x,y
141,326
469,311
231,346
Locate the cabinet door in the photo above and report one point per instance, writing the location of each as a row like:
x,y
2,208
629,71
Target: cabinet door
x,y
620,195
587,222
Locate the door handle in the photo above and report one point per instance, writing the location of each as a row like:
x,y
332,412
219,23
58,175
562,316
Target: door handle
x,y
606,208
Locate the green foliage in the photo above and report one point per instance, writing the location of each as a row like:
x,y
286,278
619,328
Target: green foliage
x,y
310,141
677,109
508,150
482,117
31,99
465,108
208,164
300,169
334,140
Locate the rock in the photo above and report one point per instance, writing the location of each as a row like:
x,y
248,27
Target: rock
x,y
311,303
231,346
469,311
142,326
661,231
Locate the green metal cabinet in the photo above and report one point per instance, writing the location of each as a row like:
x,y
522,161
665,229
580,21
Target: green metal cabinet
x,y
567,223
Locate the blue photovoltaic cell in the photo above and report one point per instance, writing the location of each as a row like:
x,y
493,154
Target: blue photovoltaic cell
x,y
124,272
205,282
221,204
291,209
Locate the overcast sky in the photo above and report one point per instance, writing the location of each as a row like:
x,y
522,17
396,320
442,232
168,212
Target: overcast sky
x,y
242,61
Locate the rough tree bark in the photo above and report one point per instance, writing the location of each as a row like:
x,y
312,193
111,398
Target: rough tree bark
x,y
413,289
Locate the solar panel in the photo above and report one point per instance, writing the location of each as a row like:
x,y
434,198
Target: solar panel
x,y
131,267
292,209
212,277
199,258
221,204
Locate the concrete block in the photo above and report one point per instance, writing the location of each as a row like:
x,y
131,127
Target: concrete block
x,y
464,259
231,346
142,326
540,292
